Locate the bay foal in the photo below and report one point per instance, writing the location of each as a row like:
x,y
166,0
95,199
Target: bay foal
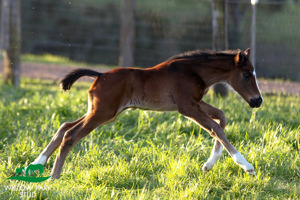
x,y
177,84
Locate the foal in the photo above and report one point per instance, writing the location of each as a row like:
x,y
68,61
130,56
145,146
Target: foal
x,y
177,84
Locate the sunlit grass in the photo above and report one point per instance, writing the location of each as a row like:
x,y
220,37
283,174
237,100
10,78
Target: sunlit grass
x,y
46,58
149,155
57,60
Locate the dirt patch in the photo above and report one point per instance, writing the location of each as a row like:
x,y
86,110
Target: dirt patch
x,y
272,87
56,72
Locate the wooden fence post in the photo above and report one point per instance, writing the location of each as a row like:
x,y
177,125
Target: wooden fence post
x,y
219,35
127,33
11,40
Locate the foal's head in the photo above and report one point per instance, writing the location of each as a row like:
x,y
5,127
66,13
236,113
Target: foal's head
x,y
243,79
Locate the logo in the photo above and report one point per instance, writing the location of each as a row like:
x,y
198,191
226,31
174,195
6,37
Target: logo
x,y
28,172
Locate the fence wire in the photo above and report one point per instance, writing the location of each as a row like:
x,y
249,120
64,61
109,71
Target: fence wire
x,y
89,31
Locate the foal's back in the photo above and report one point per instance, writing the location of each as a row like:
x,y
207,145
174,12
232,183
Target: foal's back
x,y
150,89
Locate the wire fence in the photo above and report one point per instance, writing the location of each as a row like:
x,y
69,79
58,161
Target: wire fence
x,y
89,31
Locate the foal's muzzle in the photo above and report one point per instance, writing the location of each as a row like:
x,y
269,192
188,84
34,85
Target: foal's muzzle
x,y
256,102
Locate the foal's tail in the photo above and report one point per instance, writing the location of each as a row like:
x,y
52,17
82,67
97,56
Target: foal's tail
x,y
69,79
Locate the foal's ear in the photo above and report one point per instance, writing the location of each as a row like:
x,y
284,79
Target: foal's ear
x,y
247,53
239,58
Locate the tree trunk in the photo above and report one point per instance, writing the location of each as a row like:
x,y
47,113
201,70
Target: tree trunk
x,y
237,12
11,40
219,36
127,33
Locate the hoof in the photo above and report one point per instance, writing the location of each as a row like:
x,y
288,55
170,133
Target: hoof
x,y
251,171
204,168
207,167
54,177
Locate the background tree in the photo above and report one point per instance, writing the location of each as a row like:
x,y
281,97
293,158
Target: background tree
x,y
219,36
127,33
11,40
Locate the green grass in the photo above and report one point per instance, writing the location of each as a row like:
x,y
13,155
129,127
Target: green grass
x,y
57,60
148,155
49,59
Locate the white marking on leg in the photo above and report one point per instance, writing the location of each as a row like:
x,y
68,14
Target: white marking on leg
x,y
241,161
40,160
214,157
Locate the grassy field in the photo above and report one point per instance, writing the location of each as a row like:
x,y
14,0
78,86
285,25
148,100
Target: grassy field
x,y
148,155
57,60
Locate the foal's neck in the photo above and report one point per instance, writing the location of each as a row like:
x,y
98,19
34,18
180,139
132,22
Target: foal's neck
x,y
214,71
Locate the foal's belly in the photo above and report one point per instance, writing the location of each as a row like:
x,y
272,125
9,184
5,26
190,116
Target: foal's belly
x,y
162,103
150,90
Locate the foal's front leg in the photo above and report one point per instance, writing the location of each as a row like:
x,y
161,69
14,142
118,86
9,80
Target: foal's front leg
x,y
215,155
195,112
219,117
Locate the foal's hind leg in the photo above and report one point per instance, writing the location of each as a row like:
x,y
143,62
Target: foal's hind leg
x,y
73,135
55,142
219,117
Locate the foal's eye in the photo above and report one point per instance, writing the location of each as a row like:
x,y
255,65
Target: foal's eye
x,y
247,75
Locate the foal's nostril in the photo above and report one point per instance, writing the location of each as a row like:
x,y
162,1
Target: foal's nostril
x,y
255,103
260,100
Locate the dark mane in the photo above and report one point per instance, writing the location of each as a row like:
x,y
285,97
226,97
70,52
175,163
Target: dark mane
x,y
207,54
